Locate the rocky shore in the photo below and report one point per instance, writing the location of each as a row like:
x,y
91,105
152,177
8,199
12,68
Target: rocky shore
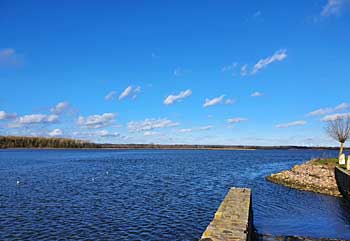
x,y
315,176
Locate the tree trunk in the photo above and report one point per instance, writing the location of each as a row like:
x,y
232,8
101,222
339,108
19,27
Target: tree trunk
x,y
341,148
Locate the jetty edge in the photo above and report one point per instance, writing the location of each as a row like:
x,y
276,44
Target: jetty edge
x,y
234,218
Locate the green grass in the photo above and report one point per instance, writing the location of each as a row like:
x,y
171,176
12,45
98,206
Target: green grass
x,y
326,161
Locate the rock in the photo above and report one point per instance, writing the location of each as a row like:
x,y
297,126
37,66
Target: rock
x,y
308,177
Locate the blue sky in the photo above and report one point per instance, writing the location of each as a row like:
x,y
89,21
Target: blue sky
x,y
194,72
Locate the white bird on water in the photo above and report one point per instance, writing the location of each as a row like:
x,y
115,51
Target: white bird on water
x,y
17,182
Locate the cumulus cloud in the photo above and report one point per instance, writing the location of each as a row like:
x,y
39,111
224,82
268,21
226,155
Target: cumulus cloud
x,y
55,132
328,110
236,120
37,119
130,91
110,95
97,121
214,101
334,7
335,116
7,116
150,124
60,107
173,98
256,94
290,124
263,63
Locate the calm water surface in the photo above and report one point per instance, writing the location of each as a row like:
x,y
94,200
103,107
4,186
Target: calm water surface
x,y
153,194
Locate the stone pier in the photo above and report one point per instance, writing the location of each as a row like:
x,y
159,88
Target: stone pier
x,y
233,221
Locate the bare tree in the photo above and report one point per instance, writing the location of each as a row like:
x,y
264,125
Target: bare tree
x,y
339,130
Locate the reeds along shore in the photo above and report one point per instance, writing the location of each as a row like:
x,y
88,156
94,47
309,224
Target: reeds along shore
x,y
43,142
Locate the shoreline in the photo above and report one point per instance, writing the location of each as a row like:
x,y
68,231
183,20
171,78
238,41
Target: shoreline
x,y
314,176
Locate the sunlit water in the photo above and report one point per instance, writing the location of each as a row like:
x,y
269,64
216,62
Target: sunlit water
x,y
153,194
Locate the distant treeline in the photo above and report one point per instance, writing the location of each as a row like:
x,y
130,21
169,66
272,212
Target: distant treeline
x,y
43,142
46,142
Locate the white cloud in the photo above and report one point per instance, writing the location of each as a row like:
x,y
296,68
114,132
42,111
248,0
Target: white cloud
x,y
8,57
97,121
105,133
236,120
7,116
229,101
335,116
205,128
60,107
37,119
55,132
256,94
150,124
214,101
110,95
324,111
150,133
130,90
185,130
173,98
333,7
290,124
229,67
263,63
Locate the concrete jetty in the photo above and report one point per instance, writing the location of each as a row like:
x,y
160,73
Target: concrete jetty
x,y
233,221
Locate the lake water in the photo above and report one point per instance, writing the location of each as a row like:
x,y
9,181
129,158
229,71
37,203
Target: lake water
x,y
154,194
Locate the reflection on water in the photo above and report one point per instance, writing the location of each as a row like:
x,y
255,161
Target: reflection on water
x,y
154,194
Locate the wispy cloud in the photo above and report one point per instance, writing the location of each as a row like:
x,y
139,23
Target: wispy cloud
x,y
290,124
335,116
187,130
180,71
96,121
36,119
217,100
256,94
171,99
130,91
205,128
150,124
334,7
60,107
151,133
244,70
230,67
110,95
230,101
9,57
201,128
263,63
55,133
7,116
236,120
328,110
